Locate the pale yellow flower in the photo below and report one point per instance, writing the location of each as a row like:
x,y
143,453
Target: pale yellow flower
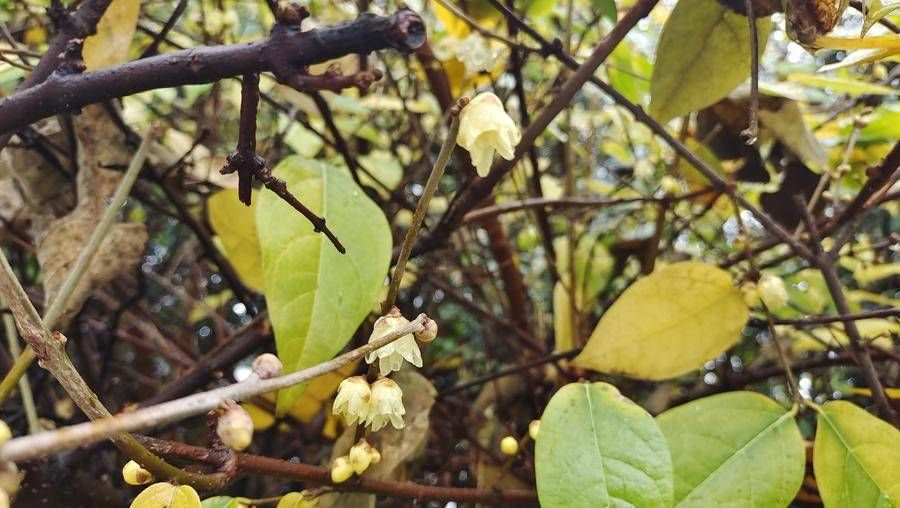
x,y
390,357
485,128
386,405
352,399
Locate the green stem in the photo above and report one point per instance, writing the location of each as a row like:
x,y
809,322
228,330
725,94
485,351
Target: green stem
x,y
421,211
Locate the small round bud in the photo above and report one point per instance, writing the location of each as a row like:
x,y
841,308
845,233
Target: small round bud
x,y
5,433
773,292
341,470
361,455
267,366
134,474
509,445
533,428
750,294
429,333
235,427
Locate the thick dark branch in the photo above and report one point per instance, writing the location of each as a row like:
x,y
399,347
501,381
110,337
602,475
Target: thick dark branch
x,y
287,48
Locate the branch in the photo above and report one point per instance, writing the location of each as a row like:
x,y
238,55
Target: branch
x,y
285,50
264,466
28,447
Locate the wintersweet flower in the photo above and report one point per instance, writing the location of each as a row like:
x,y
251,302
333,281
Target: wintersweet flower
x,y
485,128
390,357
352,399
386,405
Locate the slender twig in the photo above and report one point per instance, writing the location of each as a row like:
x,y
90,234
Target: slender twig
x,y
256,465
821,320
73,278
48,442
437,171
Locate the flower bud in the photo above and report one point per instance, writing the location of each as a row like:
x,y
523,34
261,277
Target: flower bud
x,y
533,428
134,474
429,333
509,445
267,366
235,427
352,399
773,292
5,433
361,455
386,405
750,294
341,470
390,357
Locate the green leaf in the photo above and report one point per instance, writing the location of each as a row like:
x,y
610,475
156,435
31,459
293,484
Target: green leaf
x,y
607,8
235,225
667,323
739,449
786,124
316,296
703,54
852,87
598,449
221,502
629,72
856,458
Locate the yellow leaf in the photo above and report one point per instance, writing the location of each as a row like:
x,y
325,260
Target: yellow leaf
x,y
262,419
235,225
867,274
166,495
563,331
668,323
115,31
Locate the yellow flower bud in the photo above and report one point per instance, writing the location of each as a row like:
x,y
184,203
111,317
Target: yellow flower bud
x,y
484,127
235,427
267,366
509,445
533,428
341,470
773,292
670,185
361,456
134,474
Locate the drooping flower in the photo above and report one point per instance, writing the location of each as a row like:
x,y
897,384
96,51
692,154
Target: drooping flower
x,y
352,399
390,357
386,405
485,128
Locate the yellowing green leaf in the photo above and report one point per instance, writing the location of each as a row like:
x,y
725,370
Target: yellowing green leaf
x,y
109,46
221,502
852,87
598,449
870,273
739,449
166,495
667,323
703,54
787,125
235,225
563,319
856,458
316,296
